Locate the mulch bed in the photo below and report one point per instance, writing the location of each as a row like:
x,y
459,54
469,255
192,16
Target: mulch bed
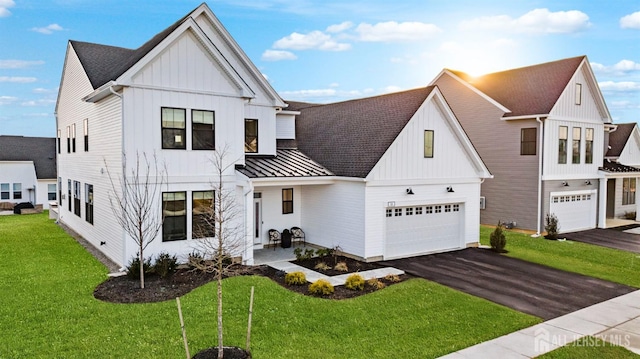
x,y
353,265
126,290
228,353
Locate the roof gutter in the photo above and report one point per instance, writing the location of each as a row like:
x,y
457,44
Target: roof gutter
x,y
102,92
524,117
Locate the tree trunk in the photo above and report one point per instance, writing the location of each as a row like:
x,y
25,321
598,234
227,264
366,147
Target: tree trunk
x,y
141,262
220,347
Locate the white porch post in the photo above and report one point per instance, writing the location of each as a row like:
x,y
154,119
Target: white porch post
x,y
636,199
247,256
602,208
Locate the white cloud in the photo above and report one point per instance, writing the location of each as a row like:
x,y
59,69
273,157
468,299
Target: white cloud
x,y
4,7
391,89
18,64
334,84
631,21
535,21
619,86
40,102
17,79
41,90
48,30
308,93
277,55
340,27
623,67
394,31
314,40
7,100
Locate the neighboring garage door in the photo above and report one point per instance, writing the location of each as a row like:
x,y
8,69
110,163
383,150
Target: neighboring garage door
x,y
575,210
422,229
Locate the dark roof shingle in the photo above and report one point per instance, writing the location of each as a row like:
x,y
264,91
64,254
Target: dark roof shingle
x,y
531,90
40,150
350,137
286,163
615,167
618,139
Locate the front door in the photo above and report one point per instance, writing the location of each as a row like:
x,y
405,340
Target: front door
x,y
611,198
257,219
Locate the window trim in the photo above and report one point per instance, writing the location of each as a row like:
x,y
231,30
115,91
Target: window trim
x,y
287,204
629,191
182,130
246,135
578,94
529,142
86,134
59,135
77,197
88,202
576,141
193,131
562,154
182,236
55,192
17,190
68,139
429,136
195,215
5,194
588,145
73,137
69,195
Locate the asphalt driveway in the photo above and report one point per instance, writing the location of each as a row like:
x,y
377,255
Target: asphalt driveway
x,y
612,238
527,287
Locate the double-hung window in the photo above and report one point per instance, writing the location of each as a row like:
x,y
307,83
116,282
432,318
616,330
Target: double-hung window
x,y
202,221
202,130
86,134
51,192
76,198
250,136
68,139
563,133
17,191
88,202
174,128
628,191
528,141
59,134
588,145
69,194
575,156
287,200
174,205
73,138
4,191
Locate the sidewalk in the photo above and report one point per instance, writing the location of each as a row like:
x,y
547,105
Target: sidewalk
x,y
616,320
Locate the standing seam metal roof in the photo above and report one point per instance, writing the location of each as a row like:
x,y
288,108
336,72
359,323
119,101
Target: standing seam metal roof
x,y
286,163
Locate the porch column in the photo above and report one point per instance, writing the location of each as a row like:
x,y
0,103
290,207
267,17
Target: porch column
x,y
602,204
637,204
247,256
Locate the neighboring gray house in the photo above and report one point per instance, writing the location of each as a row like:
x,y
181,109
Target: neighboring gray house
x,y
540,130
28,170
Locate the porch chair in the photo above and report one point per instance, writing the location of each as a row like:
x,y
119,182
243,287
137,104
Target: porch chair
x,y
297,235
274,236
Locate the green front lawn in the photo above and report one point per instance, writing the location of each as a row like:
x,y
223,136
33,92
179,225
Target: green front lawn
x,y
595,261
590,348
47,311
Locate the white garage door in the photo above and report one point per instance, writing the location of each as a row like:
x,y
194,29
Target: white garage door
x,y
575,210
418,230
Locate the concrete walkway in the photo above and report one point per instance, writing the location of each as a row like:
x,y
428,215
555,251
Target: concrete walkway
x,y
616,321
335,280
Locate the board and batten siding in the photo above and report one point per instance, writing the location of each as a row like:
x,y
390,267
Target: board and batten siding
x,y
587,110
553,170
512,194
334,215
272,216
630,154
285,127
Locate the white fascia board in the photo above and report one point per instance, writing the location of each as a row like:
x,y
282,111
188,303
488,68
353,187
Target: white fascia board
x,y
524,117
102,92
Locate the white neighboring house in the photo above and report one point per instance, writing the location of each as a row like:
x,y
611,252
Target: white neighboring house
x,y
28,170
384,177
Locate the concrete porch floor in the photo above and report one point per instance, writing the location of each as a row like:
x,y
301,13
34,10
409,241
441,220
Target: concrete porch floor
x,y
619,222
269,255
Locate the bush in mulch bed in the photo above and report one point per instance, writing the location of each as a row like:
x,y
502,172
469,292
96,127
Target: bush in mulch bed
x,y
228,353
336,265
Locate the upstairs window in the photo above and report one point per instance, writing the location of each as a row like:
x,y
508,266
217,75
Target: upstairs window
x,y
202,130
68,139
202,214
59,135
578,94
173,128
563,133
174,205
4,191
575,156
588,145
59,190
73,138
86,134
428,143
250,136
528,141
628,191
287,200
17,191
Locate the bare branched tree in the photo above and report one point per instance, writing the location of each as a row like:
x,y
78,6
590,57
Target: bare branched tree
x,y
220,231
134,199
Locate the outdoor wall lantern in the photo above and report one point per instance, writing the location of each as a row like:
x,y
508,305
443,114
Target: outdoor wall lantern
x,y
409,191
450,189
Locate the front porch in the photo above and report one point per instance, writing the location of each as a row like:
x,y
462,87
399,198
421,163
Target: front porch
x,y
268,255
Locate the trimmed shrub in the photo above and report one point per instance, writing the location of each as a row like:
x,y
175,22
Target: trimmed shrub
x,y
195,259
342,267
354,282
165,264
133,269
295,278
300,255
497,239
321,287
376,283
551,226
393,278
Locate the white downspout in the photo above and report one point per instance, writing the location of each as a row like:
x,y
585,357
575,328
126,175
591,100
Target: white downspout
x,y
248,237
124,235
540,157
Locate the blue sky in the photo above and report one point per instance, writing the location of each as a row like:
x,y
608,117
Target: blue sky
x,y
327,51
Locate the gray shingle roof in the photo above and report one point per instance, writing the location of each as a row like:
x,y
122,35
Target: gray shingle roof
x,y
615,167
530,90
286,163
618,139
40,150
350,137
104,63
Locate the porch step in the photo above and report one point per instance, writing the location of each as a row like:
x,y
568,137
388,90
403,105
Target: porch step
x,y
313,276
